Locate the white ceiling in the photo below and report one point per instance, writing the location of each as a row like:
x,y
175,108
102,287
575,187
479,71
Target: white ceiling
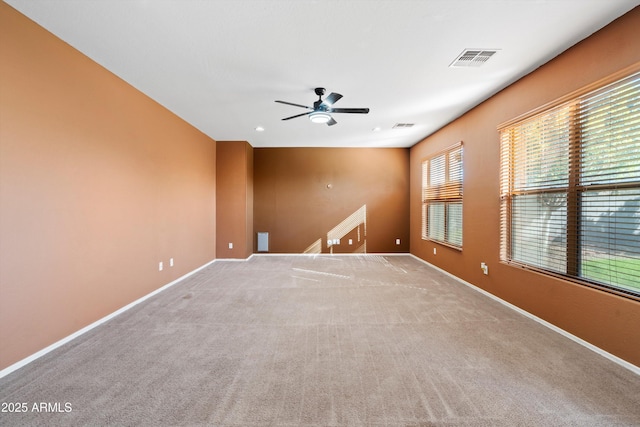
x,y
221,64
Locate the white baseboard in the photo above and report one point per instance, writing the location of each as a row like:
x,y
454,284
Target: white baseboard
x,y
6,371
630,366
329,254
235,259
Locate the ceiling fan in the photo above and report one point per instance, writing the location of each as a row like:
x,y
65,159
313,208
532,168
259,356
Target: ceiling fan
x,y
320,111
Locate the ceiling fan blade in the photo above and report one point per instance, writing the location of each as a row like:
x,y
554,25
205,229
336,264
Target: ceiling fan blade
x,y
331,122
350,110
295,105
298,115
331,99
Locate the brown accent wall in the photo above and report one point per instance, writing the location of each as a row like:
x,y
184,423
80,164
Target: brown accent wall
x,y
607,321
234,198
301,194
98,184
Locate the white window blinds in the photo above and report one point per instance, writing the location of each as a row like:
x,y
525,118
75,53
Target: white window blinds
x,y
442,176
570,188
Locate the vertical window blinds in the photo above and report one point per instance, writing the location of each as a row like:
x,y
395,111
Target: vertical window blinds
x,y
570,188
442,197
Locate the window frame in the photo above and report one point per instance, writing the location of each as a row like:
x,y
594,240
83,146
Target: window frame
x,y
575,189
449,193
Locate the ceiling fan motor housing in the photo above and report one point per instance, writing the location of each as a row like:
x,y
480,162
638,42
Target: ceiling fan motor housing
x,y
318,105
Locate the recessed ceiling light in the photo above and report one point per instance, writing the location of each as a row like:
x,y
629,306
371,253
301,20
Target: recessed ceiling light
x,y
259,129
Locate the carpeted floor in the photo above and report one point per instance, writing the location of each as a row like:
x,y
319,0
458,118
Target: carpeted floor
x,y
322,341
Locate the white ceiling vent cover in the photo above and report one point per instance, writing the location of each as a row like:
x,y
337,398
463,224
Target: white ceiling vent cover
x,y
473,57
402,125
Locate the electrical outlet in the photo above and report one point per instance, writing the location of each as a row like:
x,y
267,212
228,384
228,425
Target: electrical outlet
x,y
350,241
434,251
484,267
230,245
397,241
160,266
170,262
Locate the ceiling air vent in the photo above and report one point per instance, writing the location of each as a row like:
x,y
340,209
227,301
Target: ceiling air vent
x,y
473,57
402,125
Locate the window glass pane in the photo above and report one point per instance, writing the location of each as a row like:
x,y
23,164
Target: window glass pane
x,y
454,223
539,230
425,187
436,221
610,239
437,172
424,221
541,151
610,131
425,181
455,165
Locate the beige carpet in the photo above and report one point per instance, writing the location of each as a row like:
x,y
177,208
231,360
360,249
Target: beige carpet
x,y
322,341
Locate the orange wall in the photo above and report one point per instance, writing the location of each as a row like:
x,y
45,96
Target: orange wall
x,y
234,199
294,203
98,184
609,322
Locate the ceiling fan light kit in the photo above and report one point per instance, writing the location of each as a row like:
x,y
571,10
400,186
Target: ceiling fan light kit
x,y
320,111
319,117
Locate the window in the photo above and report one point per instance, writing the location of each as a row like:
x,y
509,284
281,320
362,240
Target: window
x,y
442,197
570,188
